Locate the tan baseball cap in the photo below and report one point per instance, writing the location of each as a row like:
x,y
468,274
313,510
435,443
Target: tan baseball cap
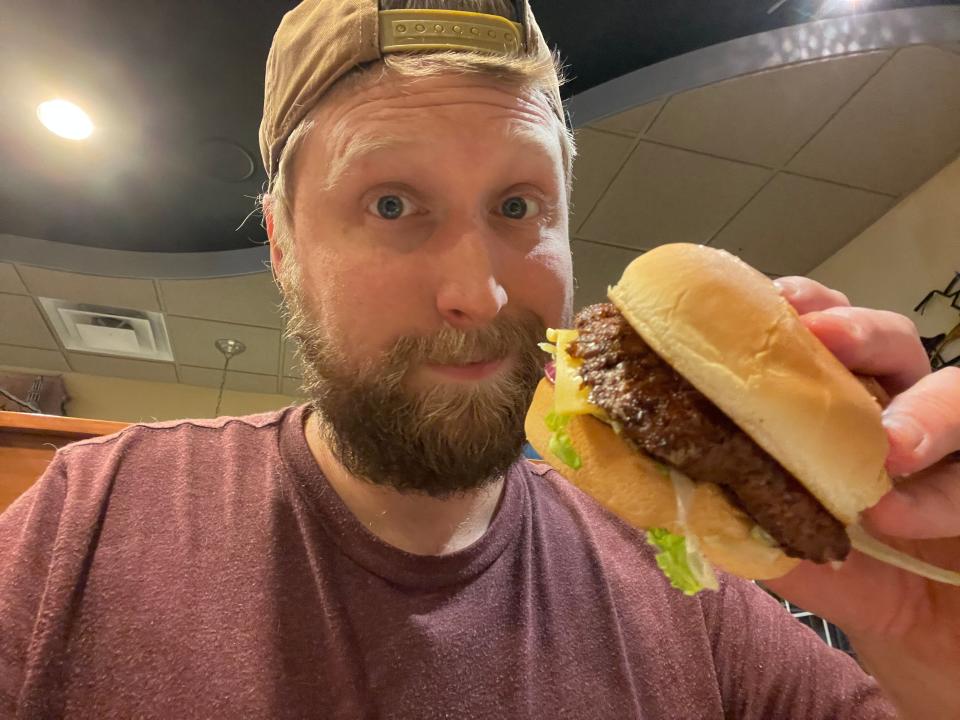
x,y
320,41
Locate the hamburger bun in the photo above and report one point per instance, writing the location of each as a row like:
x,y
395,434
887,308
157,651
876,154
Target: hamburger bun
x,y
632,487
727,330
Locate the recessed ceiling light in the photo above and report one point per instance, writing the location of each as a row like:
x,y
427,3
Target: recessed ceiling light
x,y
65,119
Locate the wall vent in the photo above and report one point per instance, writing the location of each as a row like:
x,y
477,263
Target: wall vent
x,y
109,331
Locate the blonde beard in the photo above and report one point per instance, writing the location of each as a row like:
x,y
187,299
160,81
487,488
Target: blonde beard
x,y
448,439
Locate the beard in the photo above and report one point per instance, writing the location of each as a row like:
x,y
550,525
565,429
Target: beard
x,y
444,440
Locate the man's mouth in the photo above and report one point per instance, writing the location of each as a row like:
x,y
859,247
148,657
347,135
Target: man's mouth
x,y
479,370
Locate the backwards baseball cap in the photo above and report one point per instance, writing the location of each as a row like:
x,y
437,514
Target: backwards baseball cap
x,y
320,41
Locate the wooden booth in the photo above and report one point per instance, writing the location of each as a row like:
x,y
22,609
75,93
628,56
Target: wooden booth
x,y
28,443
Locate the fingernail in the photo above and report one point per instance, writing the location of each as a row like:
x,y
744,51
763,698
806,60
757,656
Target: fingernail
x,y
786,287
843,316
907,434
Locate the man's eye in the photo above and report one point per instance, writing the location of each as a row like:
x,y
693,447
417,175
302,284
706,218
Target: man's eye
x,y
390,207
519,208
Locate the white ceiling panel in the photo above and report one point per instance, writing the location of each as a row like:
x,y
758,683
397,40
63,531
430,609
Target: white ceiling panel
x,y
21,323
600,156
795,223
247,299
94,289
901,128
290,366
122,367
9,280
193,344
668,195
595,268
634,121
766,117
32,358
241,381
291,387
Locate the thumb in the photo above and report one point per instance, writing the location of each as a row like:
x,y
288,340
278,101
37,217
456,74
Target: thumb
x,y
923,422
924,506
923,426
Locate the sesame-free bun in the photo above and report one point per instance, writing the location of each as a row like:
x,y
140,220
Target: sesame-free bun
x,y
729,332
726,329
631,486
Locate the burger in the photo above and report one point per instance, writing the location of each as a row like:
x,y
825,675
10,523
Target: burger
x,y
697,406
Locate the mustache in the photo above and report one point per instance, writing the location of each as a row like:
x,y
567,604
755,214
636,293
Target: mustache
x,y
453,346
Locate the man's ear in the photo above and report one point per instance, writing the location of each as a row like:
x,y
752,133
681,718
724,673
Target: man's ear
x,y
276,254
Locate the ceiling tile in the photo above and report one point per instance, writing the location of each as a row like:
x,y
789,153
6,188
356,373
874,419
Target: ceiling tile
x,y
896,132
795,223
21,323
290,366
241,381
765,117
122,367
93,289
9,280
668,195
599,157
595,268
634,121
32,358
193,344
291,387
249,299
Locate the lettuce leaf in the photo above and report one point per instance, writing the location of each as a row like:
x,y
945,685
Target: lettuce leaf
x,y
672,560
560,443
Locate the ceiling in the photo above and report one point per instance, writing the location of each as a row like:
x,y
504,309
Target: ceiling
x,y
196,313
782,166
175,88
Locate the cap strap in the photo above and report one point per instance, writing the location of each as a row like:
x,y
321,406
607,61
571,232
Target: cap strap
x,y
406,30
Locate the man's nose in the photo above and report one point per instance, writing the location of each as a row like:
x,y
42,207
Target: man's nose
x,y
469,293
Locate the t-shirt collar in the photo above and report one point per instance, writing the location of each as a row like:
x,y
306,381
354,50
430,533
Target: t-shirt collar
x,y
355,541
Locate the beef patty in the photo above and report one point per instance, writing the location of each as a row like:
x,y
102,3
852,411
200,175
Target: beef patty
x,y
667,418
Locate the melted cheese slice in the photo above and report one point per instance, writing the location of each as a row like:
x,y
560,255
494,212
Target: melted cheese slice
x,y
571,397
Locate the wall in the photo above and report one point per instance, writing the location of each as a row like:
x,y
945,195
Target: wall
x,y
912,249
107,398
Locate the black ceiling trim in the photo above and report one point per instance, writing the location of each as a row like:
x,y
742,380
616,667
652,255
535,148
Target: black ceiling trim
x,y
125,263
832,37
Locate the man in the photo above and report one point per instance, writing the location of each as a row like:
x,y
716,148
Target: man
x,y
383,552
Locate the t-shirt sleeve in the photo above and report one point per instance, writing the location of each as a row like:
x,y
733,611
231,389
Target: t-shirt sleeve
x,y
771,666
28,534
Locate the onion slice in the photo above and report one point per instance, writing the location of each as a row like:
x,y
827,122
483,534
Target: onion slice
x,y
869,545
700,567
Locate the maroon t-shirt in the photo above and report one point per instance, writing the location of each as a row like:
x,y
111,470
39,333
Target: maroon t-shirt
x,y
205,569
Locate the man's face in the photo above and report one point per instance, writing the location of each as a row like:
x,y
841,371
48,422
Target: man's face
x,y
430,226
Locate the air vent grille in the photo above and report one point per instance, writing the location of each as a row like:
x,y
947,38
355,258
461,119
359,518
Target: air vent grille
x,y
109,331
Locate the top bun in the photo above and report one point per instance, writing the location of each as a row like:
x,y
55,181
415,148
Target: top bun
x,y
727,330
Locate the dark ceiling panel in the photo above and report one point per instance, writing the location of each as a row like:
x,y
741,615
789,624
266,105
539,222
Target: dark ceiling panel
x,y
175,88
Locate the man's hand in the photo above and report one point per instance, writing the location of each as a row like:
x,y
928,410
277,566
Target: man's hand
x,y
906,628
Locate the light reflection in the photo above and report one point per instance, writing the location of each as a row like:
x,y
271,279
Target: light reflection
x,y
65,119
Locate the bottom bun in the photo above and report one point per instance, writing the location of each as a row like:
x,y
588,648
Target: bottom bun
x,y
631,486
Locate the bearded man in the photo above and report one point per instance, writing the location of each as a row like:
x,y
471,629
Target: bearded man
x,y
383,550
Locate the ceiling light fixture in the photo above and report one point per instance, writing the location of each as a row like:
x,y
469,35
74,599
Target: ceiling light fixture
x,y
228,347
65,119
